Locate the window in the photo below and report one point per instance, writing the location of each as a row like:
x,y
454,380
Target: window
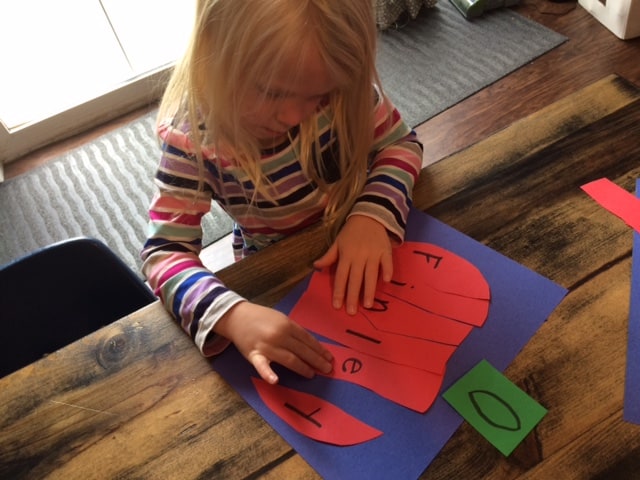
x,y
69,65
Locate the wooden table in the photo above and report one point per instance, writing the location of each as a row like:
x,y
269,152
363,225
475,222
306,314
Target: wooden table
x,y
136,399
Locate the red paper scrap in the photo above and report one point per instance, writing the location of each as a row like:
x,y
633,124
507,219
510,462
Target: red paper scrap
x,y
314,417
617,200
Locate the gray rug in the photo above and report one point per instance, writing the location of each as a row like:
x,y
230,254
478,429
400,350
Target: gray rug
x,y
440,58
103,189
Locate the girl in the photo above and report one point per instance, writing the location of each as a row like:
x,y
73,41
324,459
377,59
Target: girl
x,y
276,113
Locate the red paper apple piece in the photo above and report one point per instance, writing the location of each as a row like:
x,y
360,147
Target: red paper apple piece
x,y
420,268
392,315
315,312
410,387
314,417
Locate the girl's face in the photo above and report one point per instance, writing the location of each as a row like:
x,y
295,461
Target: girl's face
x,y
272,110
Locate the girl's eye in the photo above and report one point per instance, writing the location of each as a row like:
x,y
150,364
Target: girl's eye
x,y
281,95
269,94
274,95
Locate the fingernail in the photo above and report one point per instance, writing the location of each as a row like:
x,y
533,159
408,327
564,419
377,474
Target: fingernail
x,y
351,310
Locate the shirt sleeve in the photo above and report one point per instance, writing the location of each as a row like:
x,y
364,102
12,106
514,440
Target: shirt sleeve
x,y
191,293
394,169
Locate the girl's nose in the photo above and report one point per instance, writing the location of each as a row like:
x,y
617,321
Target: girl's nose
x,y
292,112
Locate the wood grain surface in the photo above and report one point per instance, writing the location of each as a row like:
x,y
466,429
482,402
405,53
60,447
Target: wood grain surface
x,y
136,399
591,53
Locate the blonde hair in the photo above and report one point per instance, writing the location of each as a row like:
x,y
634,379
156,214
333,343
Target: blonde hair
x,y
236,42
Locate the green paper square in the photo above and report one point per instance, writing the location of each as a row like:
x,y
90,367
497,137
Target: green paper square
x,y
494,406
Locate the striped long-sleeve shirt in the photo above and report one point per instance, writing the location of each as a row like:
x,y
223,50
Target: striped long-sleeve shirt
x,y
194,296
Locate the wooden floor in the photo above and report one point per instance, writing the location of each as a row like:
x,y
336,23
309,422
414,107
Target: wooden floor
x,y
591,53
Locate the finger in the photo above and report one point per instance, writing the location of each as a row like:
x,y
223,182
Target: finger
x,y
312,352
386,266
287,358
340,284
353,289
328,259
311,360
370,284
263,367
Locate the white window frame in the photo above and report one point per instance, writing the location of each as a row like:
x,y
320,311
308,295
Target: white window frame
x,y
134,94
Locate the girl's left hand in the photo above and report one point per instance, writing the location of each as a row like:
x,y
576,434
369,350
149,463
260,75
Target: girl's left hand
x,y
362,250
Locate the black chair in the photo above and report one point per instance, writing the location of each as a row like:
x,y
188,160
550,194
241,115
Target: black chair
x,y
59,294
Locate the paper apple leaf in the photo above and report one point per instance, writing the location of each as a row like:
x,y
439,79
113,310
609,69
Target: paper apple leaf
x,y
494,410
494,406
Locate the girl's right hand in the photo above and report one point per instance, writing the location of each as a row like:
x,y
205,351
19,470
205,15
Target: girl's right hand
x,y
264,335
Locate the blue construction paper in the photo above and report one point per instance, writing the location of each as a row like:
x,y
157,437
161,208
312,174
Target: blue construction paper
x,y
631,410
521,301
